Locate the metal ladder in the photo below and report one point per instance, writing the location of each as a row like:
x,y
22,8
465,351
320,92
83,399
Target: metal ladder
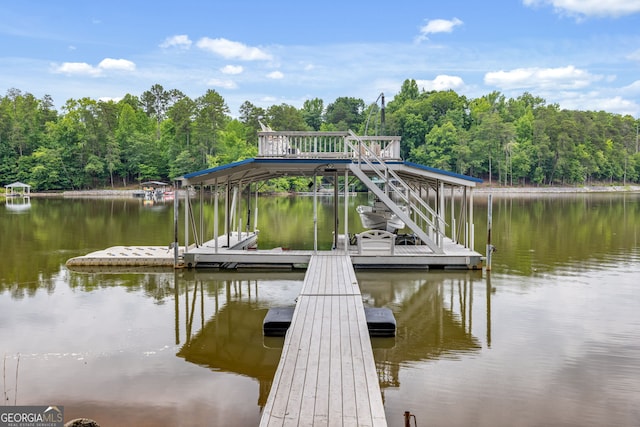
x,y
413,200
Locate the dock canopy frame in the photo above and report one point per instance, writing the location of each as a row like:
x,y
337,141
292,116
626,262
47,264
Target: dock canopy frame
x,y
428,192
17,189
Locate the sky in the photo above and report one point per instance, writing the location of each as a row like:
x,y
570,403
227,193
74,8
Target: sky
x,y
579,54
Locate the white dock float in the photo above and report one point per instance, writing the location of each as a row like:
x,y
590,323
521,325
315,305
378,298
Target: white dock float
x,y
127,256
327,374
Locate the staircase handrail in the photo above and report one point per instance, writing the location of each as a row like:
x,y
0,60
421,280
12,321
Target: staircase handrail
x,y
409,190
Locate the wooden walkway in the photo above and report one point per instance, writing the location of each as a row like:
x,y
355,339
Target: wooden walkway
x,y
327,374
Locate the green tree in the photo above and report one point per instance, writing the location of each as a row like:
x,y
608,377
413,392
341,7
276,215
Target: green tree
x,y
95,169
211,116
251,116
285,117
438,148
345,113
232,145
47,170
312,111
157,101
409,91
133,126
490,138
182,113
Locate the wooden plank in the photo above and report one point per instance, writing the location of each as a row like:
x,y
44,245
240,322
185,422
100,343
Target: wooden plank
x,y
350,416
277,407
336,389
327,373
373,397
309,393
320,414
299,364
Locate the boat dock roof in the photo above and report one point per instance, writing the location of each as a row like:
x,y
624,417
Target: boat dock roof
x,y
261,169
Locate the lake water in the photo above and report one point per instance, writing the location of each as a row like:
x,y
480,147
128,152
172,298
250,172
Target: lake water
x,y
551,337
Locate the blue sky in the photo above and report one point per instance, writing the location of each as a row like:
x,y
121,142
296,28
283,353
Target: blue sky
x,y
580,54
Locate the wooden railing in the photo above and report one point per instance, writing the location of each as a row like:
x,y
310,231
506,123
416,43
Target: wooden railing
x,y
311,145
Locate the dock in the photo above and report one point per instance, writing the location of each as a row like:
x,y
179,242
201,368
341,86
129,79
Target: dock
x,y
126,256
435,206
327,373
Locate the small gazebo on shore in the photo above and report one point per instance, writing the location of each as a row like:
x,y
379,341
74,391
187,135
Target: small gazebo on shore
x,y
17,189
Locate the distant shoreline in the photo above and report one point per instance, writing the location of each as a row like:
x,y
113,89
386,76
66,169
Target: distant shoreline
x,y
559,190
482,189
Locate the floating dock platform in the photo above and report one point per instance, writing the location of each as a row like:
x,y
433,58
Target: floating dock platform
x,y
127,256
380,321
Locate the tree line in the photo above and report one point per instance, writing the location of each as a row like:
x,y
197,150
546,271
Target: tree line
x,y
163,134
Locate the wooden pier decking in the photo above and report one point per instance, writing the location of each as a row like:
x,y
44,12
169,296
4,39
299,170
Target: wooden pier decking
x,y
327,374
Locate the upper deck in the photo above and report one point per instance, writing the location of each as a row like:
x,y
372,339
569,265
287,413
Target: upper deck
x,y
326,145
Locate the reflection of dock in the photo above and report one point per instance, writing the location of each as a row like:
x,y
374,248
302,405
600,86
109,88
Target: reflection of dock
x,y
233,342
219,321
434,315
219,318
327,373
18,202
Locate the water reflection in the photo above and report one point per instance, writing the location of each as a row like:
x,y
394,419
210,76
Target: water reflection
x,y
545,233
434,314
18,204
549,339
222,316
219,319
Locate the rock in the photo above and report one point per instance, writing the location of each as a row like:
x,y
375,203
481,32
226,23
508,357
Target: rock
x,y
82,422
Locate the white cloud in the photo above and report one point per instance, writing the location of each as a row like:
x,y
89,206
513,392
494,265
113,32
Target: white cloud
x,y
619,105
225,84
597,8
117,64
232,50
595,101
110,98
181,41
435,26
567,77
441,82
232,69
634,56
276,75
632,88
82,68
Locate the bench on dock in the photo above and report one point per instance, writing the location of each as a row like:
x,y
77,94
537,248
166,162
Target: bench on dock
x,y
376,242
